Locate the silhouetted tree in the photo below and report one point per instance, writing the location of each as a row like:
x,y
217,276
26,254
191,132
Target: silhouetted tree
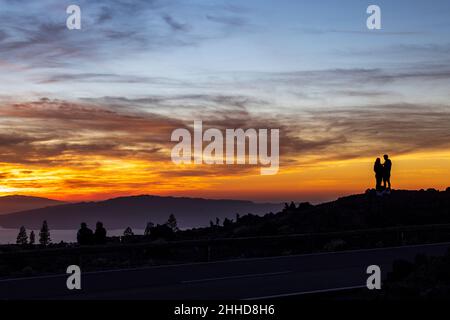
x,y
148,228
162,232
217,222
292,205
22,237
32,237
211,224
128,232
85,236
100,233
227,222
172,223
238,216
289,207
305,206
44,234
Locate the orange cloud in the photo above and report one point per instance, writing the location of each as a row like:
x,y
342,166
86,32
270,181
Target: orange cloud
x,y
91,150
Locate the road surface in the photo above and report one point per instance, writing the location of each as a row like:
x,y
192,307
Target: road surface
x,y
257,278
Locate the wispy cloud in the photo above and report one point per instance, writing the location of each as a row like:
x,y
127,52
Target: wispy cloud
x,y
174,24
362,32
101,129
233,21
38,35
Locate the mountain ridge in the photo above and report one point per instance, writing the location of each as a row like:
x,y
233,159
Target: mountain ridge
x,y
17,203
136,211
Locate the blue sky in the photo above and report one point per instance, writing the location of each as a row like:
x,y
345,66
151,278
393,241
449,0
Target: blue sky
x,y
136,48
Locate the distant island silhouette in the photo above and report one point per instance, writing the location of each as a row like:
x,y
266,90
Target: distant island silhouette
x,y
401,207
16,203
135,211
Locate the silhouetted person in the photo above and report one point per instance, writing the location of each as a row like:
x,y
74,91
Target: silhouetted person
x,y
379,172
85,235
100,233
387,166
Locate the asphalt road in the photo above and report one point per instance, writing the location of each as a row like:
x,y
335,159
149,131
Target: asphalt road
x,y
234,279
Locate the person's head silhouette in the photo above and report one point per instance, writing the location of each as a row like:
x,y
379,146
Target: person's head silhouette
x,y
99,225
83,225
378,161
386,157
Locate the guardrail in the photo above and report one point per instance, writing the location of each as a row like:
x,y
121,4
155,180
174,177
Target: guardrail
x,y
203,250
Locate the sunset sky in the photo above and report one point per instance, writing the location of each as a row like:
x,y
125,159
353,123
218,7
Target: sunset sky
x,y
87,114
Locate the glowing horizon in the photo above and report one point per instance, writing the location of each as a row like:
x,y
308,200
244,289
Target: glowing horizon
x,y
319,182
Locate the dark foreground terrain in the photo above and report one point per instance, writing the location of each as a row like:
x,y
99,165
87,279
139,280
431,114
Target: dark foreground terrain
x,y
260,278
300,249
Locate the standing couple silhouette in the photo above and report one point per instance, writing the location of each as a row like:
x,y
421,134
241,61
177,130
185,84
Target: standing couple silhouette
x,y
383,173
